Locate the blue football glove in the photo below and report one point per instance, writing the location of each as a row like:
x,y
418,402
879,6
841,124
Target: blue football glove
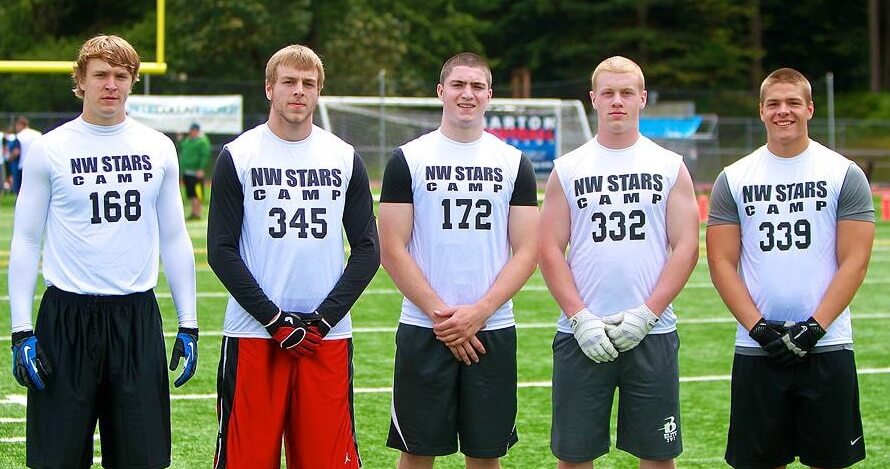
x,y
186,346
30,366
802,337
769,335
293,334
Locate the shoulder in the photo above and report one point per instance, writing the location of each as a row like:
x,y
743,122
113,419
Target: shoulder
x,y
141,130
61,136
246,142
657,150
329,140
827,155
570,159
493,144
422,143
746,161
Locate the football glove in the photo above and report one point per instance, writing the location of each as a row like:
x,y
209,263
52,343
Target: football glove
x,y
590,332
769,336
30,366
293,334
628,328
317,323
186,346
802,337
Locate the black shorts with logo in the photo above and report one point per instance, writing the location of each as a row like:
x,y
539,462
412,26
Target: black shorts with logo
x,y
108,360
810,410
647,378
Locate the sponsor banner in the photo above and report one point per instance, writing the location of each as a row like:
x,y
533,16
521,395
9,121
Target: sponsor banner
x,y
215,114
670,127
532,133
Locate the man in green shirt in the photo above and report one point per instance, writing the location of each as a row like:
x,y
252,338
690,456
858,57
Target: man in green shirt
x,y
194,153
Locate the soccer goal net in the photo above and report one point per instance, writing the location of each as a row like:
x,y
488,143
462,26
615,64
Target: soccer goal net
x,y
542,128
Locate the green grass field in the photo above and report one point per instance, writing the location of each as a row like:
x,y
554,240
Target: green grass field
x,y
706,331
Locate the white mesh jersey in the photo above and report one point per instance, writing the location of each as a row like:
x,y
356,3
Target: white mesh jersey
x,y
788,213
108,200
618,244
461,194
292,236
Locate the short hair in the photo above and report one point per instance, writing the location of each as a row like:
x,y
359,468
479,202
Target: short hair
x,y
114,50
22,120
466,59
297,56
617,64
790,76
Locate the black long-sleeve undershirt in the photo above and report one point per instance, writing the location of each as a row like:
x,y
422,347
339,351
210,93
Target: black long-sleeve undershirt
x,y
224,234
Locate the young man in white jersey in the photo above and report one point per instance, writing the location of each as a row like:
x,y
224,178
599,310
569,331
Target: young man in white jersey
x,y
103,193
284,194
626,209
458,219
789,238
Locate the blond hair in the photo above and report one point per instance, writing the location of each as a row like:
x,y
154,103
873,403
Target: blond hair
x,y
297,56
790,76
617,64
114,50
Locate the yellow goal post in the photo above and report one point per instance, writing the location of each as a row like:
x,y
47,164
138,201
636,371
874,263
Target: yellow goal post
x,y
158,67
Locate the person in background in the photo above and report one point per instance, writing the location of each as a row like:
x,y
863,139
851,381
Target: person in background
x,y
194,154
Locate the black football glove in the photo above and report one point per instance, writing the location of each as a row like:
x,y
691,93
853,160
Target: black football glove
x,y
771,340
186,346
30,367
803,336
317,323
293,334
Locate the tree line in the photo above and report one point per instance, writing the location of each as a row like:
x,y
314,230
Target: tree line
x,y
697,47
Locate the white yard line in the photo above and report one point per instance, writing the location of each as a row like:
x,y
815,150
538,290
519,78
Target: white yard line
x,y
20,399
393,291
531,325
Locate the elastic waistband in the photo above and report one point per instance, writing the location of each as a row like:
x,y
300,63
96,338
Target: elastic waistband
x,y
56,293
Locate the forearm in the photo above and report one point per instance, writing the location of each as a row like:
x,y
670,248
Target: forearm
x,y
734,294
24,257
411,281
558,277
840,291
179,267
360,269
673,277
509,281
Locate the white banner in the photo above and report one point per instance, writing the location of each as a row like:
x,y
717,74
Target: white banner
x,y
215,114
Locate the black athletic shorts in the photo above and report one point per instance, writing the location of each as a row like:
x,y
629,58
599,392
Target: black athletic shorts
x,y
193,186
108,360
438,400
809,410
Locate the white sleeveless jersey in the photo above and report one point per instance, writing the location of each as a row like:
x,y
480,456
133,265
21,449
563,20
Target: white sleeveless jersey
x,y
461,196
788,219
292,237
618,244
102,226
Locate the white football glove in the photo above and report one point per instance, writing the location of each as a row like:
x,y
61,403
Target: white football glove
x,y
590,332
629,327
